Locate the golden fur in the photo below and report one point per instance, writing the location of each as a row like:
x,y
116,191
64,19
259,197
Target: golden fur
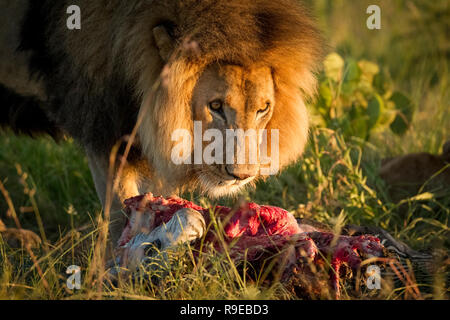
x,y
116,41
289,45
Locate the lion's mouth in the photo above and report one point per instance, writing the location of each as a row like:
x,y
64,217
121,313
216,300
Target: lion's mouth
x,y
217,184
231,181
227,179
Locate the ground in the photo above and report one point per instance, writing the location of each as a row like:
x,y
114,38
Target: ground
x,y
51,190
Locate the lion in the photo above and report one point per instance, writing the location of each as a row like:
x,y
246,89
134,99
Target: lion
x,y
138,70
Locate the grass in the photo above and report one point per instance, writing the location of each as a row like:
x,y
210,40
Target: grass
x,y
52,192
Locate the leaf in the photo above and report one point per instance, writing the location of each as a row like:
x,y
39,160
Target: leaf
x,y
374,110
359,121
385,120
359,128
382,83
333,65
352,71
368,70
351,78
405,110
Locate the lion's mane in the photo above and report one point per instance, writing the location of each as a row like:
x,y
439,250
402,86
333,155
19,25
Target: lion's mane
x,y
108,72
279,34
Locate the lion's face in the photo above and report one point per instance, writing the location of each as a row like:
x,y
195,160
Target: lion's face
x,y
232,97
240,65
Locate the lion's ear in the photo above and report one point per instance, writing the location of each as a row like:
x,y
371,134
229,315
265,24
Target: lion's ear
x,y
164,42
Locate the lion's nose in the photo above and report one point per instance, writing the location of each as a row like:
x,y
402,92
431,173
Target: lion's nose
x,y
240,174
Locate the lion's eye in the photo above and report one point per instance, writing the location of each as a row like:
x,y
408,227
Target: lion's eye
x,y
216,105
267,107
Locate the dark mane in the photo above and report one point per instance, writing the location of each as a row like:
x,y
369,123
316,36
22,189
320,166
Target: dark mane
x,y
279,33
98,76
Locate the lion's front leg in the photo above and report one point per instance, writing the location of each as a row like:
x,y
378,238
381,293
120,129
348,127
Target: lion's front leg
x,y
127,187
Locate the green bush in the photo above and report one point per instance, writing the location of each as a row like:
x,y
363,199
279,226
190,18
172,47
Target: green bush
x,y
357,98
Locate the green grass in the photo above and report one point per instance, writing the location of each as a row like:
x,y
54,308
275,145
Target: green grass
x,y
50,184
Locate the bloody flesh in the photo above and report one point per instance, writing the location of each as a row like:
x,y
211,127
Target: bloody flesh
x,y
255,229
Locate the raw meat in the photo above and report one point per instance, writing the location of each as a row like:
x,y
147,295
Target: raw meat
x,y
253,231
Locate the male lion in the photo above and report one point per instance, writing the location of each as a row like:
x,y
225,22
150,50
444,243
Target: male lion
x,y
158,66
